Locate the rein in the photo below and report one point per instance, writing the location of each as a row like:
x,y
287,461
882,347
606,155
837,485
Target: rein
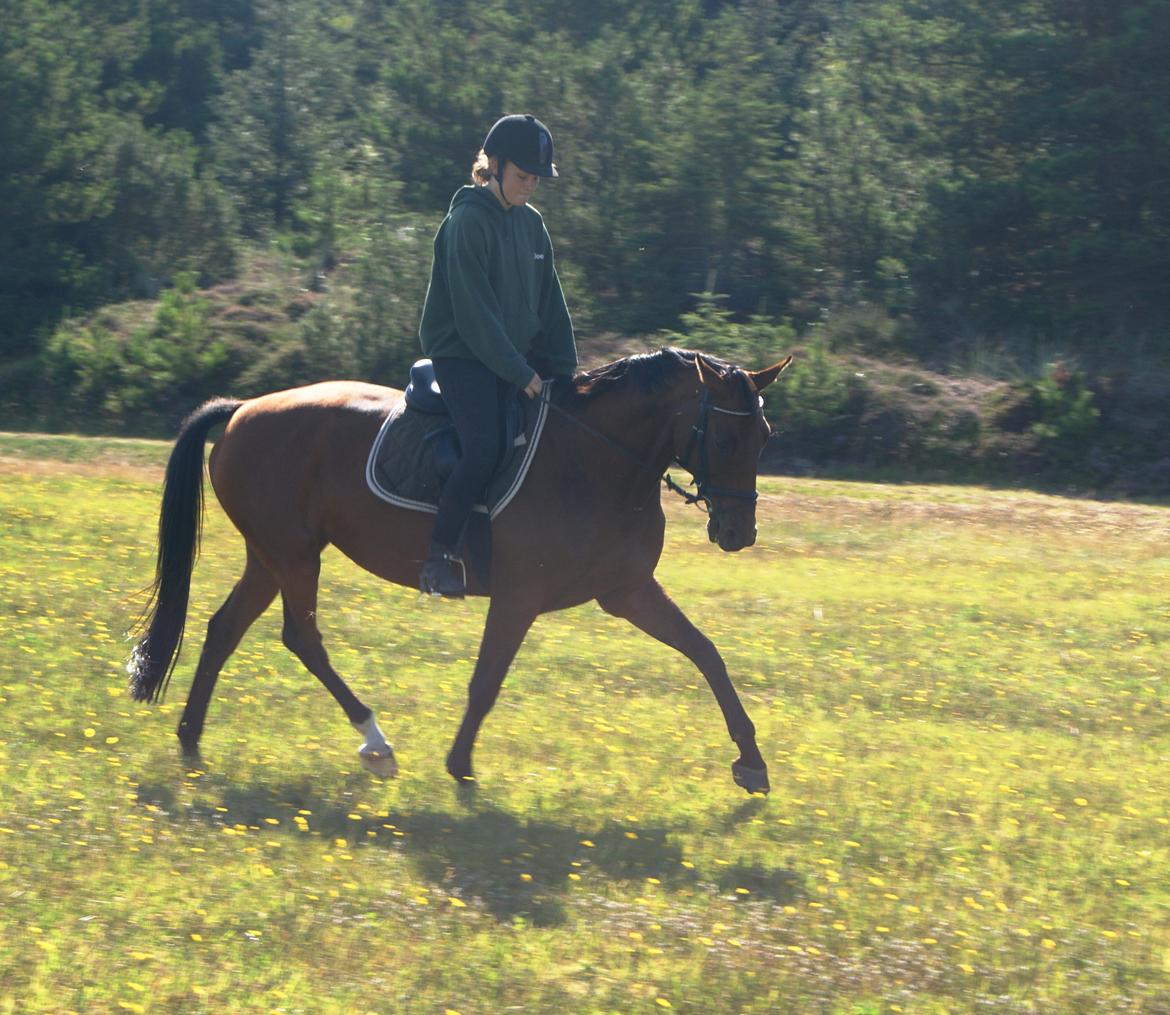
x,y
704,491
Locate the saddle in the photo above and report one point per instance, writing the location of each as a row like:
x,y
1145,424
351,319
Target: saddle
x,y
417,448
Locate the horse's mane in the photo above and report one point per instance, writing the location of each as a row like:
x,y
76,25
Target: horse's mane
x,y
646,373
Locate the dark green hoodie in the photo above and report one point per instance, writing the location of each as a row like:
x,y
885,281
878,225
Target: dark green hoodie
x,y
494,294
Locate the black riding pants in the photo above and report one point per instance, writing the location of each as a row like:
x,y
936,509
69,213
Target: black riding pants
x,y
477,400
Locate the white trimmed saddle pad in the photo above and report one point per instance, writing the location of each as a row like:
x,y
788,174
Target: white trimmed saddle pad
x,y
401,467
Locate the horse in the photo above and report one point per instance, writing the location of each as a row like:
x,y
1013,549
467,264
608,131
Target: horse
x,y
289,472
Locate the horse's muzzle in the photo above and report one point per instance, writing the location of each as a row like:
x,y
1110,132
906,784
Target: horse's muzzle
x,y
731,533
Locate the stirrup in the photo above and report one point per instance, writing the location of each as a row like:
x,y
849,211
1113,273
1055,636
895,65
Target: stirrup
x,y
443,574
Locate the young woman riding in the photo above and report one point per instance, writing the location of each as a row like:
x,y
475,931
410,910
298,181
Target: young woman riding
x,y
494,321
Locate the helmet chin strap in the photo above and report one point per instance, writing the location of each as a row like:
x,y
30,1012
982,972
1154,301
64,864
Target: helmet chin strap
x,y
499,178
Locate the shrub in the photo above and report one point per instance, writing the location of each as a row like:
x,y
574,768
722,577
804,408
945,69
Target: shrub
x,y
813,394
710,328
1065,404
865,328
144,375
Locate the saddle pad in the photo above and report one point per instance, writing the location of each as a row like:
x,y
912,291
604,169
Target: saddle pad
x,y
401,467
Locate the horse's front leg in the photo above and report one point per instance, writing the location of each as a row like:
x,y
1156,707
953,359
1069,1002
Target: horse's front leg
x,y
649,608
506,626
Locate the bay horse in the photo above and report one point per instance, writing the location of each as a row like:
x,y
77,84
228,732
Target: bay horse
x,y
289,471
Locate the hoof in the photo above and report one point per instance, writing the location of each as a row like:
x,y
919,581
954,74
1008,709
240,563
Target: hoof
x,y
459,767
754,780
189,754
380,763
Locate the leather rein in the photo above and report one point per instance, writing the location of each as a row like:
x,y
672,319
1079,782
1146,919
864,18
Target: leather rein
x,y
704,489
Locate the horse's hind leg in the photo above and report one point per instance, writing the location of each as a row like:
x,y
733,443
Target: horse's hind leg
x,y
302,637
251,597
649,608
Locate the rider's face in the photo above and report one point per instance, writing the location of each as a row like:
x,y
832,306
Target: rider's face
x,y
518,186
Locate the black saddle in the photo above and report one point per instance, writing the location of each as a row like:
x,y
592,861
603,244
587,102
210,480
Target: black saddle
x,y
424,395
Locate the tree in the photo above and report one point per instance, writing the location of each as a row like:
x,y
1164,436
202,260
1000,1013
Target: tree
x,y
283,116
1058,224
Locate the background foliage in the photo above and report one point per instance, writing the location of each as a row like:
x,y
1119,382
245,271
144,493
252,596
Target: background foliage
x,y
980,186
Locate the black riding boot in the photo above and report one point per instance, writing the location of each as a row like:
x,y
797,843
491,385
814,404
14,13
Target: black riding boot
x,y
443,573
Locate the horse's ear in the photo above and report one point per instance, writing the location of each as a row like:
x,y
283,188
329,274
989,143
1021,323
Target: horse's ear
x,y
762,378
704,371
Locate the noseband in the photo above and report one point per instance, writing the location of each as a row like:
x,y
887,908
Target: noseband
x,y
704,489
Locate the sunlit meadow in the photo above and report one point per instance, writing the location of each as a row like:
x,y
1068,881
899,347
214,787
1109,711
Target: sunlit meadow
x,y
961,694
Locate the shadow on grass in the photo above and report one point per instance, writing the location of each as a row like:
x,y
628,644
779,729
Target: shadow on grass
x,y
518,867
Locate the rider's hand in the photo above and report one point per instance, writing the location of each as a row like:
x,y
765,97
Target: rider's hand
x,y
534,386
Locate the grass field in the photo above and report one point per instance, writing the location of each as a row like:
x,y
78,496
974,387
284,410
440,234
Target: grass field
x,y
962,696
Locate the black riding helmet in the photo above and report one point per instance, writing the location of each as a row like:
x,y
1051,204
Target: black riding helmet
x,y
521,138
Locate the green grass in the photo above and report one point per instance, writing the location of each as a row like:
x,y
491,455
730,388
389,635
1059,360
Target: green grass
x,y
961,696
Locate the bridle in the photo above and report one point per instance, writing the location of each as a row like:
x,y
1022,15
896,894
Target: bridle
x,y
704,489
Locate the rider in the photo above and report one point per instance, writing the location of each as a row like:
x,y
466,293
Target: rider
x,y
494,320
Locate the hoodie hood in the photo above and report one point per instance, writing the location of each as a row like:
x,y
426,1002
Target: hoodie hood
x,y
475,195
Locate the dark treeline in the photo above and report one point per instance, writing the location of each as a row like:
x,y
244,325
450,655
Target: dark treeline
x,y
953,173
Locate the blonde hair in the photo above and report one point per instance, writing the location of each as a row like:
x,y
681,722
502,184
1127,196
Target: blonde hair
x,y
481,170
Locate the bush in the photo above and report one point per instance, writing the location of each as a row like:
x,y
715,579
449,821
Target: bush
x,y
867,329
814,393
149,375
711,329
811,395
1065,403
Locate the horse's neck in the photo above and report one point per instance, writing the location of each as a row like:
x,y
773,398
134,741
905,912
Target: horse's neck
x,y
640,426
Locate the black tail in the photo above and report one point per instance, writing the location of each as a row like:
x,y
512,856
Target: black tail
x,y
180,525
